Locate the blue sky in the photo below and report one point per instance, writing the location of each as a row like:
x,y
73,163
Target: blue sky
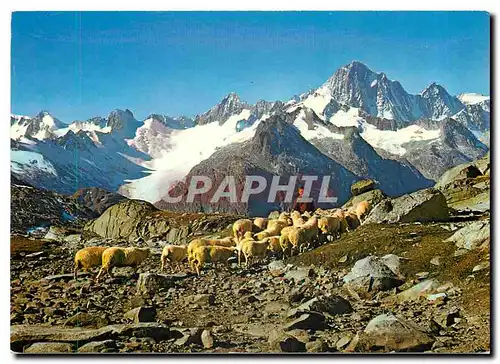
x,y
79,65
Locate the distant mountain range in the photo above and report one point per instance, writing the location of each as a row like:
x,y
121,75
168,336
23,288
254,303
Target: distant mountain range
x,y
358,124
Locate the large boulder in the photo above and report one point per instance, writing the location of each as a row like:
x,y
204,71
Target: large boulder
x,y
462,171
472,235
359,187
423,205
467,186
390,333
121,221
133,219
371,274
373,197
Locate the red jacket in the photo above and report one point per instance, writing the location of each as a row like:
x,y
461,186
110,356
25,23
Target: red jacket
x,y
303,206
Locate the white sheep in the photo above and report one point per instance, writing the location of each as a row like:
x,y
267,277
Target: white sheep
x,y
362,209
87,258
121,257
297,218
254,249
211,254
240,227
305,235
173,253
329,225
260,222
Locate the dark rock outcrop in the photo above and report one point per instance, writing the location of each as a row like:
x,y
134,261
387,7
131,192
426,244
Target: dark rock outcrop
x,y
32,208
97,199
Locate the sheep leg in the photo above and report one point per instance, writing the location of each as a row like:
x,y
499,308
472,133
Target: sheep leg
x,y
100,274
163,261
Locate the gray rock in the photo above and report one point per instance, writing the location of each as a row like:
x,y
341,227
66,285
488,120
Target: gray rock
x,y
299,274
261,330
150,283
276,307
481,266
130,220
301,335
460,252
422,275
392,262
370,274
448,318
393,333
141,314
56,233
82,319
276,265
373,197
35,255
97,346
49,348
419,290
343,259
420,206
460,172
437,298
472,235
73,239
435,261
343,342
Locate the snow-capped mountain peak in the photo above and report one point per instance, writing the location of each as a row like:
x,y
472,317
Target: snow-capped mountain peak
x,y
122,120
41,127
472,98
230,104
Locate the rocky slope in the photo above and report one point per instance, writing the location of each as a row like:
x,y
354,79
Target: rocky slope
x,y
33,210
415,277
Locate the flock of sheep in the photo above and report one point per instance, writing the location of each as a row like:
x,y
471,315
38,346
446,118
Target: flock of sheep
x,y
289,234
